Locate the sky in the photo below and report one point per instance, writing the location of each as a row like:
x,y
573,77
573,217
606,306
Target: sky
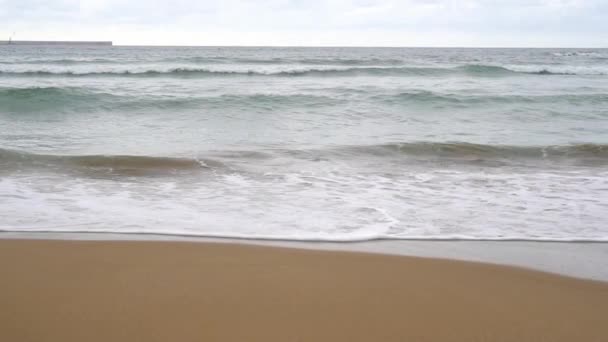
x,y
472,23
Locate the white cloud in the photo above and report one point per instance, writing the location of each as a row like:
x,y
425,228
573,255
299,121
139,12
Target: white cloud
x,y
313,22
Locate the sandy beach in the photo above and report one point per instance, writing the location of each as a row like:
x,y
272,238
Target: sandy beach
x,y
183,291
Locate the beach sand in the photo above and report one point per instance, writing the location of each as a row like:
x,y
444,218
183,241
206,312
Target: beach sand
x,y
184,291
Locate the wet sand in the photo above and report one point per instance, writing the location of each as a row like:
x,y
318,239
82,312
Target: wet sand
x,y
183,291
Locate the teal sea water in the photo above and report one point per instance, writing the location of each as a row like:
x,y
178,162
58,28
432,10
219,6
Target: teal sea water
x,y
336,144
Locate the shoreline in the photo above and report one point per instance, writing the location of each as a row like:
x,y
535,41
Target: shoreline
x,y
58,290
584,260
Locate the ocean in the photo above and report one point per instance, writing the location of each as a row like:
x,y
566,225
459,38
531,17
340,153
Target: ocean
x,y
328,144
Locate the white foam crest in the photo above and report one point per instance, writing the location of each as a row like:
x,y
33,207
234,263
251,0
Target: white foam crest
x,y
142,68
580,53
588,70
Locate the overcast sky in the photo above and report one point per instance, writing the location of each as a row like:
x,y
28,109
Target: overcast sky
x,y
541,23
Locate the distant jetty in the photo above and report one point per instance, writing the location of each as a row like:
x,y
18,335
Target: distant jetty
x,y
55,42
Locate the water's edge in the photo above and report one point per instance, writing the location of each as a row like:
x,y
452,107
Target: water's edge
x,y
586,260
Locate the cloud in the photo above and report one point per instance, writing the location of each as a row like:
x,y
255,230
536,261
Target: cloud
x,y
297,22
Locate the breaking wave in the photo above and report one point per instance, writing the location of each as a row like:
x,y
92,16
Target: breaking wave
x,y
51,99
76,99
471,70
415,152
98,165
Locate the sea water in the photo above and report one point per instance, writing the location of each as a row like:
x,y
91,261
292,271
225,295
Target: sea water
x,y
336,144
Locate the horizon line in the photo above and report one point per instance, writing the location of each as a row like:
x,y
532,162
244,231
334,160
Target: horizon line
x,y
114,44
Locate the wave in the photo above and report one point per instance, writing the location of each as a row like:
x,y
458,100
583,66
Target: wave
x,y
413,152
77,100
39,99
100,165
432,98
66,61
479,155
291,61
593,54
460,149
491,70
45,99
202,72
470,70
213,60
461,153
